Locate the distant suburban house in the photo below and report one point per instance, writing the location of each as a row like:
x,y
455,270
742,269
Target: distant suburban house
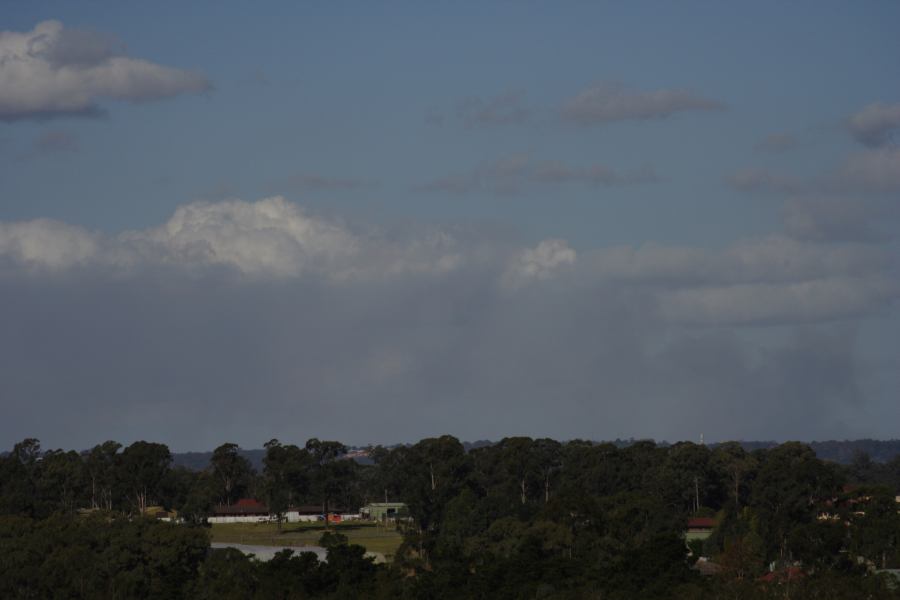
x,y
699,528
314,512
380,511
245,510
851,502
249,510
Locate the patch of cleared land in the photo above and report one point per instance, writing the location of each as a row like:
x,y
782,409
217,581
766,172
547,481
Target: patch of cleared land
x,y
374,538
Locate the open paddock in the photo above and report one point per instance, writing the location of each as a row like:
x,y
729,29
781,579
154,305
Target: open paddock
x,y
384,539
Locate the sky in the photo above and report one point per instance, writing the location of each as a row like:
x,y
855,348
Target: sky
x,y
382,222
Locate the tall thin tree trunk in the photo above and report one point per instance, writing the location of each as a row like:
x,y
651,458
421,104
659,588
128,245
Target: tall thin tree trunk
x,y
696,494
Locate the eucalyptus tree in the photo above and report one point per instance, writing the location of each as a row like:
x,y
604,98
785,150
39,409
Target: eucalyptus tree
x,y
789,488
231,471
434,472
548,457
62,486
328,473
285,476
100,463
19,473
142,468
738,467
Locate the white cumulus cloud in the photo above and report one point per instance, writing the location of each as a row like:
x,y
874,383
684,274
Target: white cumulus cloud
x,y
540,262
47,244
53,71
269,238
771,279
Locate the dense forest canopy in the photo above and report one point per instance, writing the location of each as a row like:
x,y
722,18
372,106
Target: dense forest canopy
x,y
522,518
840,451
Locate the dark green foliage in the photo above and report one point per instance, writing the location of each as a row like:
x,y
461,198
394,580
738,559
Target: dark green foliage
x,y
285,476
790,485
331,477
522,518
876,532
143,468
100,464
226,574
97,557
230,472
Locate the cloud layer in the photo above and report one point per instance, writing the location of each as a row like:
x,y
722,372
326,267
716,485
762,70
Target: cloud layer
x,y
52,71
271,238
764,280
504,109
516,173
258,319
607,102
874,124
867,172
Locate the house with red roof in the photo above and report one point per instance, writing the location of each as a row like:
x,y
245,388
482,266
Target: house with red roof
x,y
699,528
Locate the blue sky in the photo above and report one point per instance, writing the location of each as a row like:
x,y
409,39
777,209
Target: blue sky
x,y
724,178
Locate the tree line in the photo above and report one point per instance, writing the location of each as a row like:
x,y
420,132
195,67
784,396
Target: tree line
x,y
523,518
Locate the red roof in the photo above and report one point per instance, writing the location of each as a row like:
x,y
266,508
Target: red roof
x,y
244,506
701,523
785,575
249,502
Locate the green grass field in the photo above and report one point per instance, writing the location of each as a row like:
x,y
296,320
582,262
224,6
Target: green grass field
x,y
374,538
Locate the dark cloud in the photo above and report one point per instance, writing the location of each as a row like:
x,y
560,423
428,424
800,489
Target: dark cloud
x,y
601,103
875,124
52,142
504,109
434,117
556,172
56,141
311,182
763,180
609,102
256,78
869,172
840,219
777,142
194,362
74,47
872,171
247,321
515,173
52,71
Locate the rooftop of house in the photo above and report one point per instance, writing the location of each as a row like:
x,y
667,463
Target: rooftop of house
x,y
316,509
248,502
788,574
701,523
244,506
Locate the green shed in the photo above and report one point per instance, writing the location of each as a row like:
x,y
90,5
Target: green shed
x,y
379,511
